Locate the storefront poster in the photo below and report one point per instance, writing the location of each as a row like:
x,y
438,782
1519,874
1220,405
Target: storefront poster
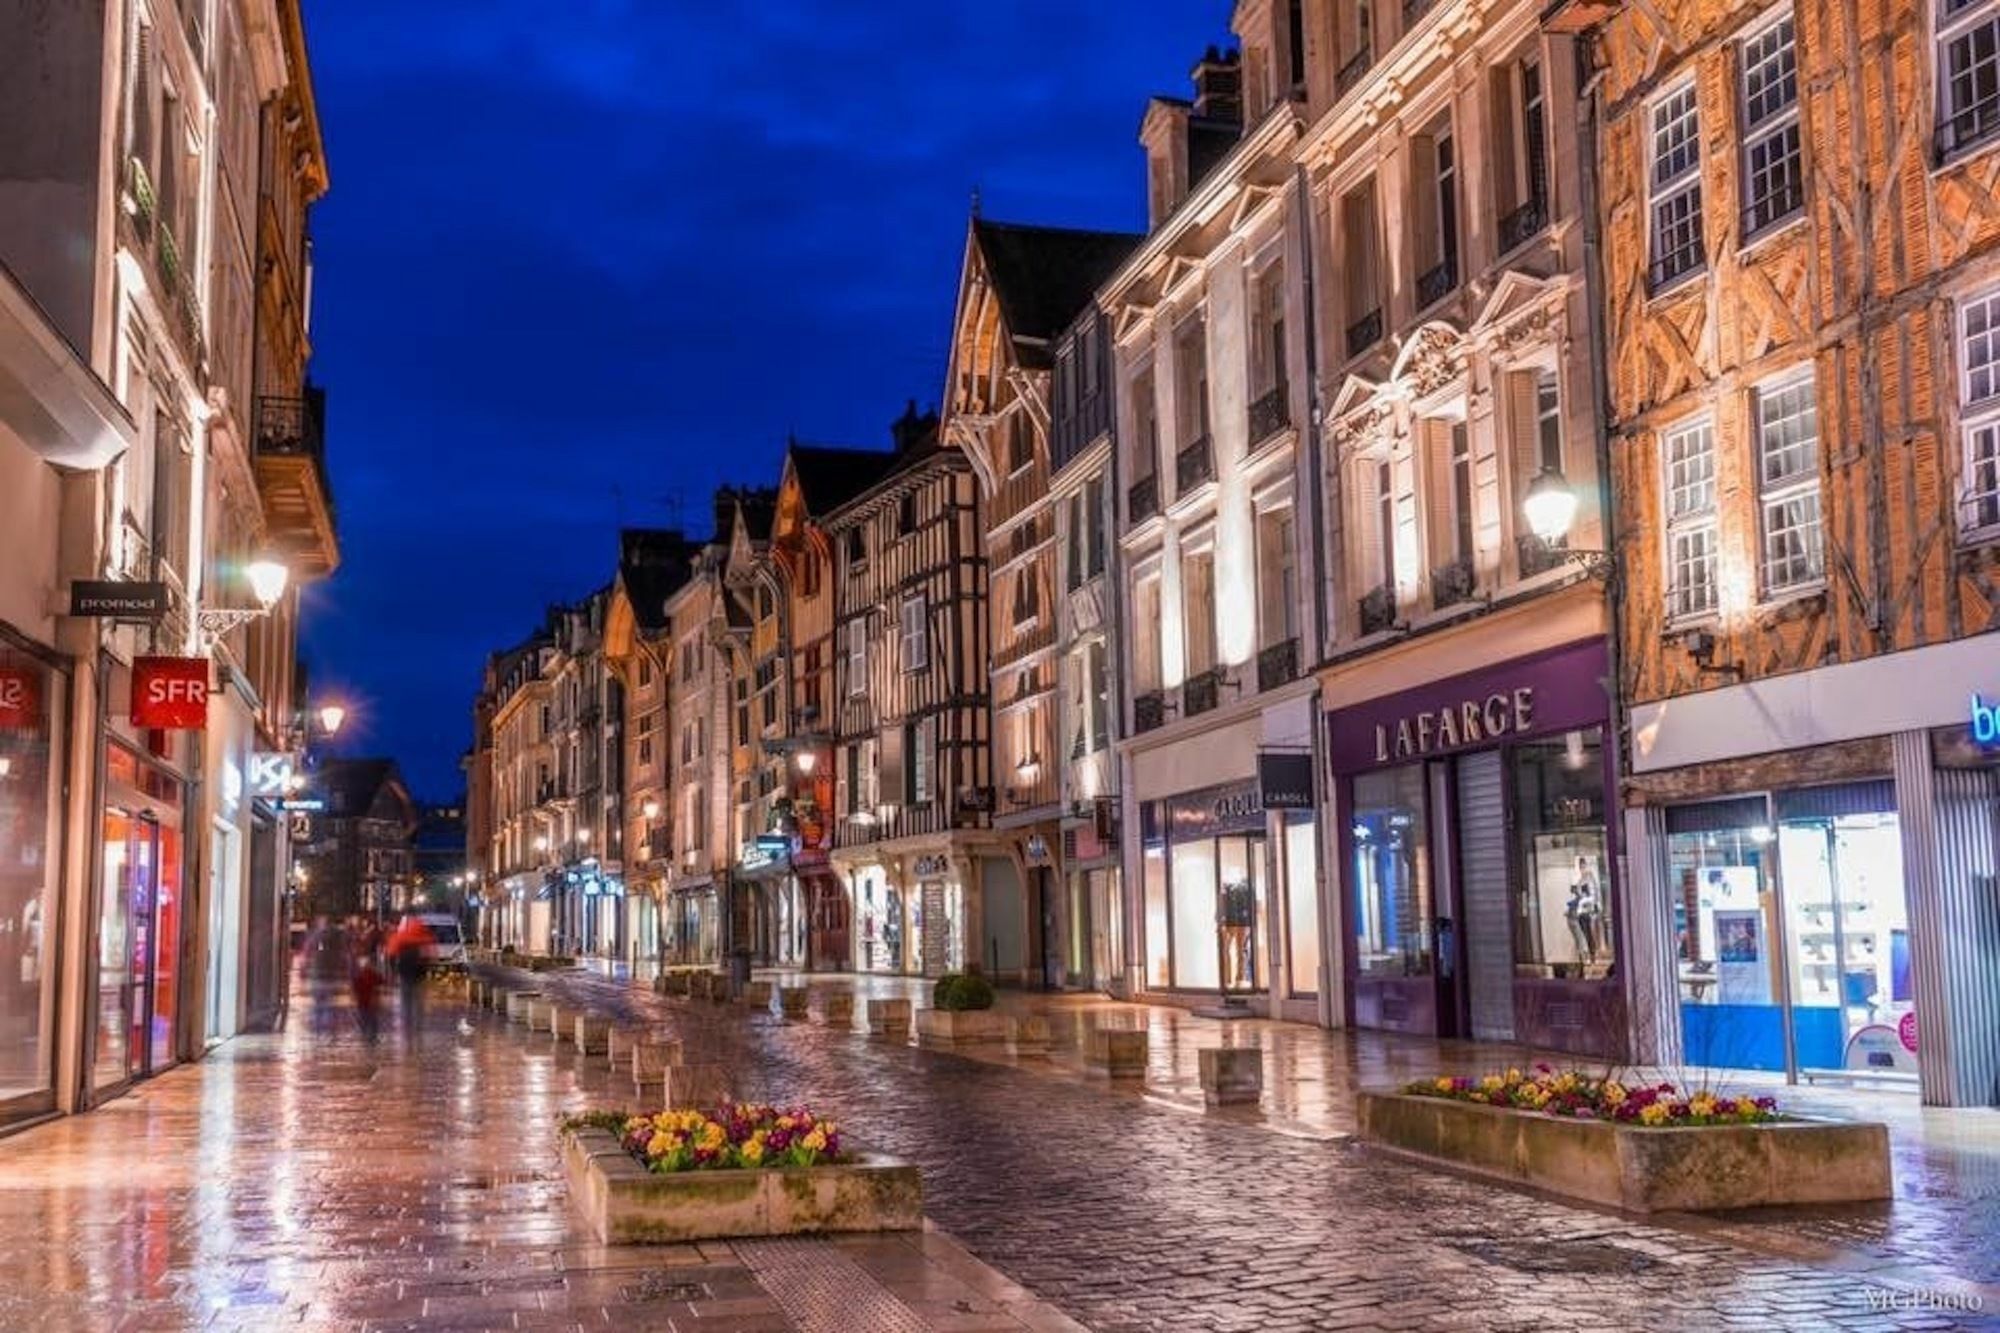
x,y
20,699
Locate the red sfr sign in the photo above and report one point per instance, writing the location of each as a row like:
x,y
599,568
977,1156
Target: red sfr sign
x,y
170,693
20,702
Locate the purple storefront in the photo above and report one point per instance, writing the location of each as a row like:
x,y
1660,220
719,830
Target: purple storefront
x,y
1476,822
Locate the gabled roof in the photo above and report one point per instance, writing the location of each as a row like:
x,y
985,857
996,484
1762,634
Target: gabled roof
x,y
652,563
1045,276
829,477
352,786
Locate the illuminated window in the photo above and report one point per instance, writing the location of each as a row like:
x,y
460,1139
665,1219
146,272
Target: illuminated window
x,y
1689,452
1675,180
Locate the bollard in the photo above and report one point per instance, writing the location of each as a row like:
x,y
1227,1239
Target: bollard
x,y
889,1019
792,1002
591,1034
1121,1051
1031,1035
837,1009
1231,1075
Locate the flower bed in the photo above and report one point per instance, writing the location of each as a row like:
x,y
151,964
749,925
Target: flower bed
x,y
1644,1149
1583,1097
742,1170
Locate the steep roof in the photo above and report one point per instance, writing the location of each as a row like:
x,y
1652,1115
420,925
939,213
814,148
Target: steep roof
x,y
351,785
829,477
1045,276
652,564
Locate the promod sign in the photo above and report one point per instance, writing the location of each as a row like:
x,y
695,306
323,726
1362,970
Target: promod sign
x,y
170,693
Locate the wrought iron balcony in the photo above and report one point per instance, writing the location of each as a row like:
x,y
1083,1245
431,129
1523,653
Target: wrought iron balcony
x,y
1194,465
1538,556
1452,584
1519,226
1149,712
1378,610
1270,414
1201,693
1437,282
1352,72
1365,332
1142,499
1278,665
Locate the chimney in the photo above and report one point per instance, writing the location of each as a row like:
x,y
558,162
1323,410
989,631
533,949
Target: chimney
x,y
725,511
1218,86
912,429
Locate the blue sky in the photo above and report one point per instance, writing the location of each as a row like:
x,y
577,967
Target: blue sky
x,y
582,260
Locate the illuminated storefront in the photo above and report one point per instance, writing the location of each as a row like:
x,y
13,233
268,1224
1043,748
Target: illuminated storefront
x,y
33,702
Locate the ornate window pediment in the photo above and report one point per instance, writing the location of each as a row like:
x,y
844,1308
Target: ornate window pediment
x,y
1431,362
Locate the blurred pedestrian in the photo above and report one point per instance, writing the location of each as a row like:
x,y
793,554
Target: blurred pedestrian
x,y
325,963
367,986
409,953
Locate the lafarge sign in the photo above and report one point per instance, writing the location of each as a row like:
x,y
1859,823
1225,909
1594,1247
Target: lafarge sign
x,y
1542,694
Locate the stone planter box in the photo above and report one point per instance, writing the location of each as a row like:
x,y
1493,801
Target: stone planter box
x,y
620,1042
1031,1036
1643,1170
1231,1075
889,1018
792,1002
651,1060
548,1017
593,1035
960,1027
1121,1052
836,1009
757,994
629,1205
521,1006
548,962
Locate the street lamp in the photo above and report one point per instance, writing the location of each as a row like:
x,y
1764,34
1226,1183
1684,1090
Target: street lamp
x,y
267,577
330,718
807,760
650,808
1550,508
541,842
267,580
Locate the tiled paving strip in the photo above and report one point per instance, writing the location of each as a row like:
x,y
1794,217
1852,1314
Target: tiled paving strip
x,y
824,1291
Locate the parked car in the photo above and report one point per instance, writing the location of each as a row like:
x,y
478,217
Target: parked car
x,y
447,947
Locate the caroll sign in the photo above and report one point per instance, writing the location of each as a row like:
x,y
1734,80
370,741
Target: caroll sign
x,y
170,693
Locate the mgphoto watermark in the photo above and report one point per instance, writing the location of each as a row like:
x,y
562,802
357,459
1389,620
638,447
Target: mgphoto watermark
x,y
1886,1300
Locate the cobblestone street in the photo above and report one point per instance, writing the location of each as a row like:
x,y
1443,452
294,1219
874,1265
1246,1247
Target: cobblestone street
x,y
300,1183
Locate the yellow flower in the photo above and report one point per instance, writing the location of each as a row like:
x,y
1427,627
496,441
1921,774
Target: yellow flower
x,y
1492,1083
753,1151
1703,1105
1614,1094
1656,1114
1513,1076
815,1140
1444,1085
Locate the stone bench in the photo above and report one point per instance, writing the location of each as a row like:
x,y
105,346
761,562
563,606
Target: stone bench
x,y
1031,1035
593,1034
792,1002
521,1006
757,994
836,1009
1231,1075
1120,1052
890,1019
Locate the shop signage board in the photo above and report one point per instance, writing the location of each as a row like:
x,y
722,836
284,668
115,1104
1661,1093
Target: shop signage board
x,y
1985,720
1234,807
112,599
170,693
270,773
20,698
1285,779
1550,692
932,866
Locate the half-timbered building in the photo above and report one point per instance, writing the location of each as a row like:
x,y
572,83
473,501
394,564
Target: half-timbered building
x,y
1801,221
910,714
1019,288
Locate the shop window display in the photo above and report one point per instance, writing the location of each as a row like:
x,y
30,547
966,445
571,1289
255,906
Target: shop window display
x,y
1302,902
1563,923
1158,970
1392,874
30,701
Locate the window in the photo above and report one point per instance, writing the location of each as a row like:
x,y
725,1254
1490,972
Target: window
x,y
1027,600
1020,441
645,749
1190,382
1295,42
1979,349
1787,422
1089,350
1145,426
1520,150
1277,577
1361,283
1461,491
857,657
1073,545
1773,171
857,546
1385,520
1562,917
906,514
917,747
1097,694
1093,526
1146,672
808,575
1435,217
915,640
1968,74
1198,611
1548,421
1676,187
1690,499
1267,336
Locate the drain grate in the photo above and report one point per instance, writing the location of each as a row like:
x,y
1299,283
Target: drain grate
x,y
1557,1257
822,1290
661,1287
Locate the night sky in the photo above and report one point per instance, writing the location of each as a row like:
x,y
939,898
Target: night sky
x,y
583,262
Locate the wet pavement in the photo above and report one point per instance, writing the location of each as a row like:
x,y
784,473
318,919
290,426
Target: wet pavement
x,y
284,1182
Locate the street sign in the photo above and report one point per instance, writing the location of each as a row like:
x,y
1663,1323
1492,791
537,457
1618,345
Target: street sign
x,y
116,599
170,693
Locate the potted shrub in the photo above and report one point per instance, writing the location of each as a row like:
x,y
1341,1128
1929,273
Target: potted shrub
x,y
961,1012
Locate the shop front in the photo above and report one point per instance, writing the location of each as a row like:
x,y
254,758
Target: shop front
x,y
694,924
1816,856
34,699
1472,815
908,908
1093,929
773,928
